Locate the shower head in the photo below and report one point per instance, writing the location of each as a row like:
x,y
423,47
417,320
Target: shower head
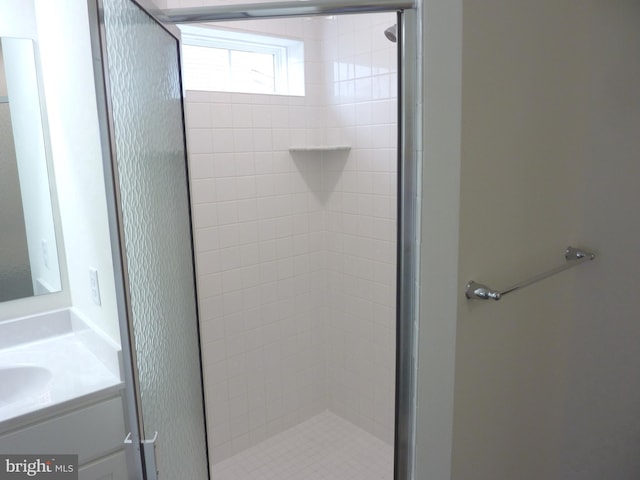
x,y
392,32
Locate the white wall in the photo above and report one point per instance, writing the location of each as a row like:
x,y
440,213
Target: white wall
x,y
69,86
18,19
61,36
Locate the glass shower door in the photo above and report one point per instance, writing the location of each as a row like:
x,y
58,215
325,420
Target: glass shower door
x,y
143,95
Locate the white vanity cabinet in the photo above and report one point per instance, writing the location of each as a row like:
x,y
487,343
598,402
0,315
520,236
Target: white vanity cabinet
x,y
93,432
111,467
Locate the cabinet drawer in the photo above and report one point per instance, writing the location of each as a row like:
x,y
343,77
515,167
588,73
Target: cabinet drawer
x,y
89,432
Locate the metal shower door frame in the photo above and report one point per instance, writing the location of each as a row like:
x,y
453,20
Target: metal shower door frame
x,y
409,175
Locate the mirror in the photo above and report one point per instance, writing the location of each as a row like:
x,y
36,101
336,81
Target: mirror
x,y
28,249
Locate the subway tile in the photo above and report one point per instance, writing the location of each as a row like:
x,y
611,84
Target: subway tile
x,y
216,373
231,281
220,434
269,272
196,96
198,115
227,213
208,262
221,115
286,288
211,308
251,296
205,215
228,258
238,404
207,239
247,233
246,187
234,324
201,165
263,162
241,116
236,346
297,137
244,164
254,339
242,442
223,140
238,98
280,116
284,268
232,303
211,328
311,244
200,140
261,116
283,226
282,161
239,426
226,189
229,235
236,366
262,140
249,255
214,352
202,191
258,416
269,293
224,165
243,140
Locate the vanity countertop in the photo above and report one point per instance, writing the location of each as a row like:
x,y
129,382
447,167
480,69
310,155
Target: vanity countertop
x,y
52,374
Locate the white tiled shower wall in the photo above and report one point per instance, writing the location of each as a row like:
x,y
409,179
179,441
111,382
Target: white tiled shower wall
x,y
296,252
360,221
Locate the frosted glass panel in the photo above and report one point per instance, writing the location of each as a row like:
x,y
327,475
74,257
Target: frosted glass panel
x,y
143,70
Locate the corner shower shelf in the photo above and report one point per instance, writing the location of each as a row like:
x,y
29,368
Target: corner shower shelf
x,y
321,148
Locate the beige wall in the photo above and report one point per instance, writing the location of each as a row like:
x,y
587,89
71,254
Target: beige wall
x,y
544,384
521,142
601,423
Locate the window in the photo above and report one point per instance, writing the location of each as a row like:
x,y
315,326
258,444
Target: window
x,y
232,61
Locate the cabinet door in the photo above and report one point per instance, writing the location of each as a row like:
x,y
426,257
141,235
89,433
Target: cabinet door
x,y
141,67
113,467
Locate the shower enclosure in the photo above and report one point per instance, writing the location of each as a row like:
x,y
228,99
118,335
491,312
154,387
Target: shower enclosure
x,y
304,255
296,239
304,265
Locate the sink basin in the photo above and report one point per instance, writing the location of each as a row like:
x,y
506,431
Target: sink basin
x,y
25,384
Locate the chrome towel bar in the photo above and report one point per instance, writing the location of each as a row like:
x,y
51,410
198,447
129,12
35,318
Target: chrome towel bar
x,y
573,257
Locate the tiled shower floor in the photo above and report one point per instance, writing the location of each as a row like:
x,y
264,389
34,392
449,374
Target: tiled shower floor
x,y
321,448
